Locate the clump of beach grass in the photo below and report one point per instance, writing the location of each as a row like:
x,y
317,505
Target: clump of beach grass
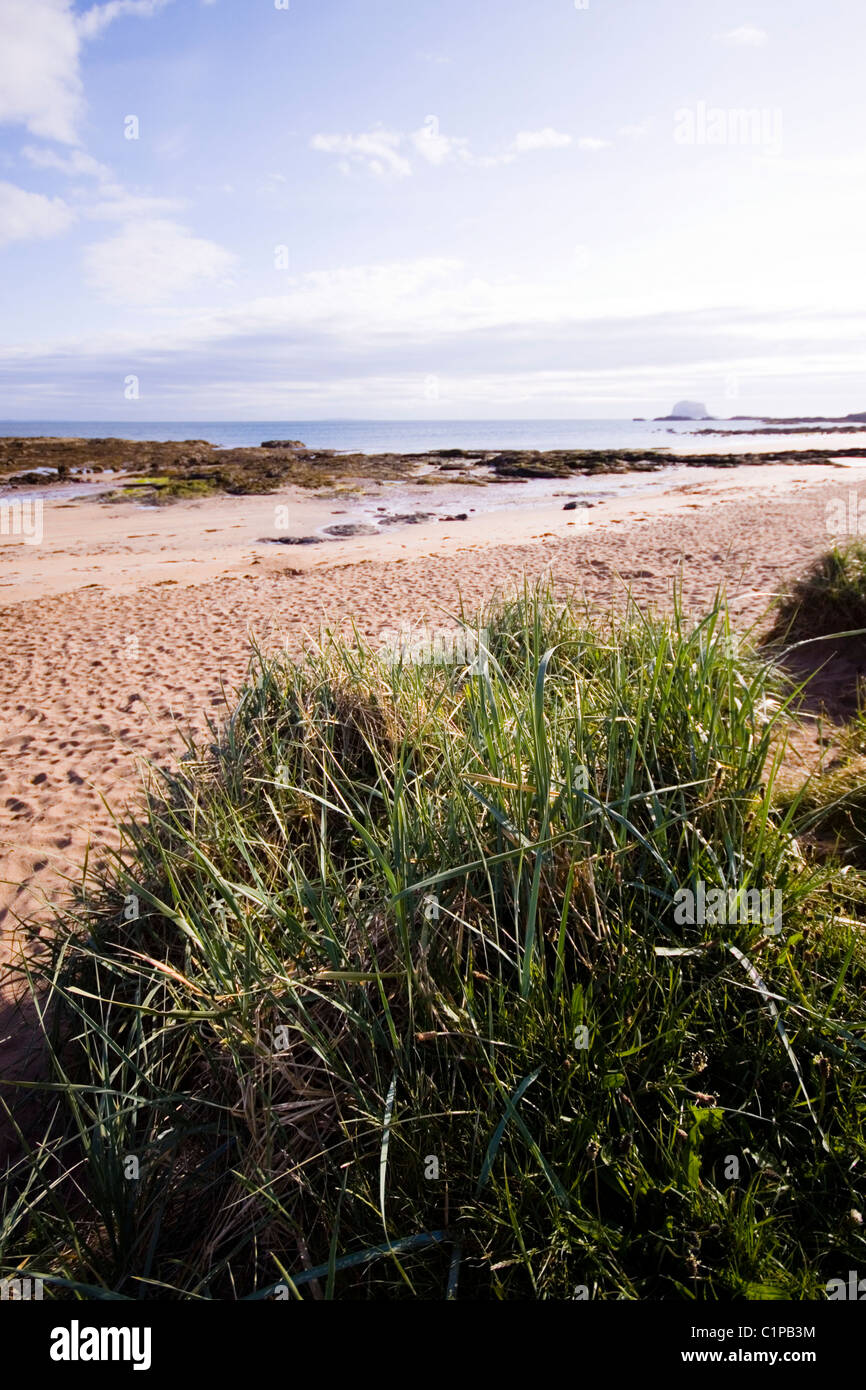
x,y
386,995
829,600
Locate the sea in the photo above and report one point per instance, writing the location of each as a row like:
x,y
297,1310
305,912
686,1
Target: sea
x,y
417,436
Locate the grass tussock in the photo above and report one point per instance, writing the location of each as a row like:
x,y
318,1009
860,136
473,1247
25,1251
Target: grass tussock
x,y
829,600
387,995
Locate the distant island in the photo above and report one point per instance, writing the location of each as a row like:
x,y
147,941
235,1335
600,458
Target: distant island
x,y
688,410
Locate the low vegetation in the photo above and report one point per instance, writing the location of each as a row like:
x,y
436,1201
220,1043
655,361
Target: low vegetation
x,y
388,996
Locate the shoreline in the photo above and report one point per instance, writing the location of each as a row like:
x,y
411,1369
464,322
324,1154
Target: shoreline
x,y
164,471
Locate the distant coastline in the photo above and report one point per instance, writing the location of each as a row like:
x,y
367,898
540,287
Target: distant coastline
x,y
414,436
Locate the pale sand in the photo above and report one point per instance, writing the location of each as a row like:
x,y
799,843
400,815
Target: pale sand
x,y
94,678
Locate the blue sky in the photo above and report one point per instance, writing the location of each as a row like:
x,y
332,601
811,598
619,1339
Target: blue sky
x,y
430,208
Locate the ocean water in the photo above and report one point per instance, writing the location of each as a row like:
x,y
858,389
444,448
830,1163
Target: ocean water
x,y
410,436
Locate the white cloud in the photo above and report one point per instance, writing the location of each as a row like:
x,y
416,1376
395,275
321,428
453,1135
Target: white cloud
x,y
546,139
40,85
117,205
98,17
112,202
75,163
590,142
380,296
25,216
437,148
381,151
149,262
40,53
746,36
273,185
375,150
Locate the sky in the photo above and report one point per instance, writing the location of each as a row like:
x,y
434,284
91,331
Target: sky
x,y
421,209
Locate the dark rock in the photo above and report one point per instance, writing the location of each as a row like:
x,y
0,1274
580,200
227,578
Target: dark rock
x,y
529,463
407,518
573,506
460,516
292,540
351,528
35,476
283,444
